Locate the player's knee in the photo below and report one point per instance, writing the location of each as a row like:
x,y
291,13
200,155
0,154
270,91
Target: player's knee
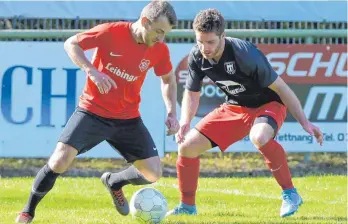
x,y
57,165
153,174
259,139
156,175
187,150
182,149
260,134
62,157
150,169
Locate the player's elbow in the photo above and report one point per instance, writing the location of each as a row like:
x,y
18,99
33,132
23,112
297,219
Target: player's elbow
x,y
169,79
69,43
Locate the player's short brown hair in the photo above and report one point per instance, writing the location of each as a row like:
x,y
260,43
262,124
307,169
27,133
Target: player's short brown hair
x,y
156,9
209,20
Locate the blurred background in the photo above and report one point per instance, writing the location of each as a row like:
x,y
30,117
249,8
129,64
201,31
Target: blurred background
x,y
305,42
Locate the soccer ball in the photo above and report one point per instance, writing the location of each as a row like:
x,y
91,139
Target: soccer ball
x,y
148,205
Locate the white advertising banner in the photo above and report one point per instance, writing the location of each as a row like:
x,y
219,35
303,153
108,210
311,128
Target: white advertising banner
x,y
40,88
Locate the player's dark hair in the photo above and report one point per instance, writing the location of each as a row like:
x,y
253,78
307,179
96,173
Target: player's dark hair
x,y
156,9
209,20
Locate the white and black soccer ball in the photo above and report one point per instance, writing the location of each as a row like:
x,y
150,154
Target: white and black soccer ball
x,y
148,205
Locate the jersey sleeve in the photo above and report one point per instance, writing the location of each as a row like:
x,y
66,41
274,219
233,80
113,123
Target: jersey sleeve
x,y
254,63
94,37
195,75
164,66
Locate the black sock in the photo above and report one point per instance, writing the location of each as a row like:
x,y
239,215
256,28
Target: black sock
x,y
43,183
127,176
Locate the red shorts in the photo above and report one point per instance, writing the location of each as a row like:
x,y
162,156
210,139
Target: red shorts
x,y
228,124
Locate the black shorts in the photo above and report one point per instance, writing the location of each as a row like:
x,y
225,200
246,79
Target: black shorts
x,y
129,137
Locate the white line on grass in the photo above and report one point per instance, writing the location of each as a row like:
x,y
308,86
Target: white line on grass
x,y
233,191
239,192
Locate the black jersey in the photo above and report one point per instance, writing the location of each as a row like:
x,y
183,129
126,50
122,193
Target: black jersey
x,y
242,73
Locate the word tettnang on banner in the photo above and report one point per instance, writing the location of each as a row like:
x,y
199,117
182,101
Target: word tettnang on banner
x,y
318,76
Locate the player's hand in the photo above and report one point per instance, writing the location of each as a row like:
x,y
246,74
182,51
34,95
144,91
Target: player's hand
x,y
314,131
172,124
180,136
101,80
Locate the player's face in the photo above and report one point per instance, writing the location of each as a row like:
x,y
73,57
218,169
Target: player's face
x,y
156,31
209,44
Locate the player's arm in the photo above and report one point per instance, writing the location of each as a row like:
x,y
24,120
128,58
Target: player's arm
x,y
77,44
164,69
189,106
169,91
76,54
289,98
190,101
293,104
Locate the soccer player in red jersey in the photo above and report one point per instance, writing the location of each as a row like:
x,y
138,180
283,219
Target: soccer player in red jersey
x,y
256,103
109,105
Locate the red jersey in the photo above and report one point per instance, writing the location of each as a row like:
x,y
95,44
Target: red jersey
x,y
119,56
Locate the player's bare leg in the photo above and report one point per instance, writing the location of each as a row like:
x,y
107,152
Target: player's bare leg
x,y
58,163
142,172
150,168
261,135
188,171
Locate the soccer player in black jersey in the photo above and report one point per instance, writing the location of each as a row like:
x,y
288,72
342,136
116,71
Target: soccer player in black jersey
x,y
256,103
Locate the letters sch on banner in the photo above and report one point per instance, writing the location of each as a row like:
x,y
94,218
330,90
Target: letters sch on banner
x,y
317,74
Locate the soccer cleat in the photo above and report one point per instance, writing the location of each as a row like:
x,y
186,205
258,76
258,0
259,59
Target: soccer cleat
x,y
291,202
118,198
24,217
183,209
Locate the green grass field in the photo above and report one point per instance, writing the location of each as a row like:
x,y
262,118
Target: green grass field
x,y
220,200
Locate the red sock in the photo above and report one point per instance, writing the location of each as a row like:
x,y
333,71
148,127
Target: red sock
x,y
275,158
188,173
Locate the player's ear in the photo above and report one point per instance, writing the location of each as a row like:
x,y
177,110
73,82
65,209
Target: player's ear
x,y
145,22
223,35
